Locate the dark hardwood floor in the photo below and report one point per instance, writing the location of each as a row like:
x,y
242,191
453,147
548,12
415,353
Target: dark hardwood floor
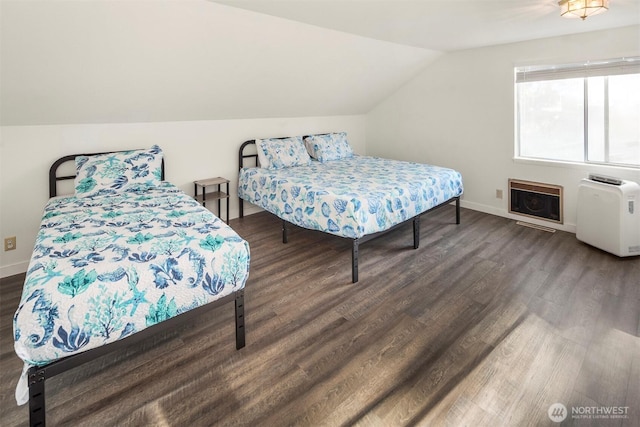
x,y
488,323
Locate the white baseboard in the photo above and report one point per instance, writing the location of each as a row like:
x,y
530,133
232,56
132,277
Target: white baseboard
x,y
250,209
571,228
483,208
13,269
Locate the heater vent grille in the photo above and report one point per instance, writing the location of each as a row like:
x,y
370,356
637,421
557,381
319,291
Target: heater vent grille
x,y
535,199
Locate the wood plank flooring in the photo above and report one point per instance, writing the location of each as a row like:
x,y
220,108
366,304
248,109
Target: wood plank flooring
x,y
488,323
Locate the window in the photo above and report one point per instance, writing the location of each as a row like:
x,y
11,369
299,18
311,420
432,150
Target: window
x,y
587,113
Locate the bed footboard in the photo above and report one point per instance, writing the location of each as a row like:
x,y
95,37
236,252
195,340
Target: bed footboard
x,y
37,375
240,339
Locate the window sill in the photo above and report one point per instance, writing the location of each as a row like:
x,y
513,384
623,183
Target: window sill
x,y
591,167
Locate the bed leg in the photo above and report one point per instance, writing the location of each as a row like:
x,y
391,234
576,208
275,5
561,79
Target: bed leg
x,y
416,232
240,341
285,238
241,207
354,261
36,378
458,210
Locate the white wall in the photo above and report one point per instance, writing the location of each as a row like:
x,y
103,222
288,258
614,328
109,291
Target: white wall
x,y
69,61
193,150
459,112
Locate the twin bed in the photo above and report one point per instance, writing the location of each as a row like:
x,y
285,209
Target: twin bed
x,y
130,254
318,183
127,255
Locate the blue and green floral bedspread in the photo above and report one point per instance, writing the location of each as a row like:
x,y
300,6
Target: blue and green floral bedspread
x,y
350,197
104,268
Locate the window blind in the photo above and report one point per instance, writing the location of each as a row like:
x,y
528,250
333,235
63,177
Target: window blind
x,y
609,67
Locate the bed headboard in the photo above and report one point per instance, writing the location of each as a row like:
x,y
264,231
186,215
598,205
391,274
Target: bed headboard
x,y
55,176
242,156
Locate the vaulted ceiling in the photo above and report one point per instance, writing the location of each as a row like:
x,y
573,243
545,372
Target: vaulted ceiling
x,y
108,61
444,25
70,61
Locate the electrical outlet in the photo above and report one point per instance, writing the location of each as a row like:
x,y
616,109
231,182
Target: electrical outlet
x,y
10,243
498,194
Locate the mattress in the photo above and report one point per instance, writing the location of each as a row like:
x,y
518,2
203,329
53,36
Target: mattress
x,y
104,268
350,197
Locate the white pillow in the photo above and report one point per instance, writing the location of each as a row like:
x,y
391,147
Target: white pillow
x,y
262,158
112,173
278,153
328,146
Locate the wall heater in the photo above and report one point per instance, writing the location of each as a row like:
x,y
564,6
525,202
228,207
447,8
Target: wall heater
x,y
535,199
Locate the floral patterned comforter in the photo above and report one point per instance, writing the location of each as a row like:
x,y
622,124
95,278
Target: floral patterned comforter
x,y
104,268
350,197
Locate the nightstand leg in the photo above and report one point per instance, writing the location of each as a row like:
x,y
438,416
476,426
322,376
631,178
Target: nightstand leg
x,y
228,198
219,213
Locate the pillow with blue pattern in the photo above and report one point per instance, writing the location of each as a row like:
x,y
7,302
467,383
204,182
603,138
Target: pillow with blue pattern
x,y
278,153
329,146
112,173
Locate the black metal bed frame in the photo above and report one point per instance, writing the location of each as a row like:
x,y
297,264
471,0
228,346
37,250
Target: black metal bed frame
x,y
37,375
357,241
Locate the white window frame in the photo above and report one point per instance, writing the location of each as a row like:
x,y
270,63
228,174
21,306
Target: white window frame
x,y
601,68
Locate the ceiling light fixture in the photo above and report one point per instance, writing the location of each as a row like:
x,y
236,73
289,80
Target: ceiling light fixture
x,y
582,8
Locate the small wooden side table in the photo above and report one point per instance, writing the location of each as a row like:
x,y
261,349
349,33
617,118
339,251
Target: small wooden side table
x,y
216,195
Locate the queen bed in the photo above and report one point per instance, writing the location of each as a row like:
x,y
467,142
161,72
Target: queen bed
x,y
126,256
318,183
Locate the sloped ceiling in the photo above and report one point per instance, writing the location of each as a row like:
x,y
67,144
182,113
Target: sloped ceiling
x,y
102,61
124,61
445,25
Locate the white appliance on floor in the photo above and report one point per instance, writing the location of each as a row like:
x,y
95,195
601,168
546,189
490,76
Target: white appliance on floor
x,y
608,215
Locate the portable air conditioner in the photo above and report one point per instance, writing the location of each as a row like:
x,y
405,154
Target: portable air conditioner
x,y
608,215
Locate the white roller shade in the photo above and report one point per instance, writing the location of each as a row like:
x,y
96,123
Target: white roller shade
x,y
610,67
